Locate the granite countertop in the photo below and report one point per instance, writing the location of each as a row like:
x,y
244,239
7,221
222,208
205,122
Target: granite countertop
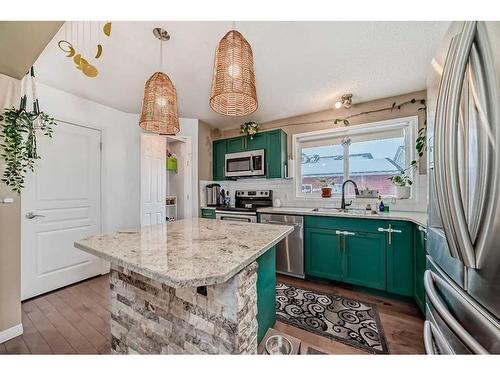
x,y
419,218
187,253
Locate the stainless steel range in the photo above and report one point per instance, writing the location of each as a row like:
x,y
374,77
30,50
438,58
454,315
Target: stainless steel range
x,y
247,202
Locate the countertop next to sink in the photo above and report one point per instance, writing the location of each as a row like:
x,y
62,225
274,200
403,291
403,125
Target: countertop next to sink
x,y
419,218
187,253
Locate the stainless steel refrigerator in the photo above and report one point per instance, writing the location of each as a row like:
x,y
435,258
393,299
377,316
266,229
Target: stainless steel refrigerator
x,y
462,281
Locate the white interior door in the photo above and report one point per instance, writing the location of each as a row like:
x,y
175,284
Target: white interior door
x,y
153,179
61,204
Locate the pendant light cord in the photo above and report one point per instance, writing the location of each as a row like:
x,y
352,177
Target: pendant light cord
x,y
161,55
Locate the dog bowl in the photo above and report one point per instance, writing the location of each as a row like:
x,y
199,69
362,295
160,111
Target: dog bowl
x,y
278,344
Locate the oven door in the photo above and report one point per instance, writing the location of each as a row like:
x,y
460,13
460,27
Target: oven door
x,y
245,164
236,216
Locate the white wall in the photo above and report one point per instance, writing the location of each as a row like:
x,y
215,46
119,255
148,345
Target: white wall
x,y
120,154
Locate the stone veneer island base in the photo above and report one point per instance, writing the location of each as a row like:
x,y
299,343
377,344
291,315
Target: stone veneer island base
x,y
190,287
151,317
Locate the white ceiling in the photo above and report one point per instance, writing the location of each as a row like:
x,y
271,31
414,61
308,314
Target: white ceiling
x,y
301,67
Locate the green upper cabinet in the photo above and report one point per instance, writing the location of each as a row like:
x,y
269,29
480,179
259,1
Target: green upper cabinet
x,y
276,154
218,154
323,253
235,145
258,142
274,144
365,259
400,258
419,239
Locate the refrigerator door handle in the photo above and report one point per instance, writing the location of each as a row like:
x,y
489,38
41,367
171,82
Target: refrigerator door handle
x,y
461,235
431,334
439,154
483,73
429,279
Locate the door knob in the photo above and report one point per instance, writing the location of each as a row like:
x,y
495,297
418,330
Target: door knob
x,y
31,215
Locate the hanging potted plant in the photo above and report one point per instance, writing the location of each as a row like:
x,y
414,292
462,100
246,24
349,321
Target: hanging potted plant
x,y
250,128
19,132
326,186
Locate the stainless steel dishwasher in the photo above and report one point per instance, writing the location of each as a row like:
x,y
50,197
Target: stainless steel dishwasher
x,y
290,251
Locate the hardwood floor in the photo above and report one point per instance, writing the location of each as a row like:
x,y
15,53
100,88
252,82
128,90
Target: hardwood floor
x,y
76,320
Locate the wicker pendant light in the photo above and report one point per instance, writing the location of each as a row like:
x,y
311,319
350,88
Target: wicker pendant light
x,y
159,106
233,86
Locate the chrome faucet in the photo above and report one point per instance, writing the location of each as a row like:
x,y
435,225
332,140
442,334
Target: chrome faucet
x,y
343,204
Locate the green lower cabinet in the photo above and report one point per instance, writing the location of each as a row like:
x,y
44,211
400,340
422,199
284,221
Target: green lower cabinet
x,y
362,252
365,260
400,258
266,292
420,265
208,213
323,254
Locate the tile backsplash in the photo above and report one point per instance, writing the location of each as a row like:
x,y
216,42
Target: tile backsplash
x,y
283,189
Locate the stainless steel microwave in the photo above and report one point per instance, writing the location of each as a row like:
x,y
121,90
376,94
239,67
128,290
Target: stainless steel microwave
x,y
245,164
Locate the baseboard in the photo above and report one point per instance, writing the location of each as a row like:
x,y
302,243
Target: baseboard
x,y
11,332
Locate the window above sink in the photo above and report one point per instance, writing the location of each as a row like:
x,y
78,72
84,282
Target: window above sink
x,y
369,154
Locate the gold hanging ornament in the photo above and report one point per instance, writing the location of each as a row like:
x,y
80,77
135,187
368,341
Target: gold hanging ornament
x,y
233,86
159,106
81,63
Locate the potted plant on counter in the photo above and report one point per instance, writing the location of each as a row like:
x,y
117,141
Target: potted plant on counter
x,y
403,181
326,186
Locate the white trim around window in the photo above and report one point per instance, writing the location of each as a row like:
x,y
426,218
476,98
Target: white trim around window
x,y
408,124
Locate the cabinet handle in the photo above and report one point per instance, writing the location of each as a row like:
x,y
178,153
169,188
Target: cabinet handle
x,y
383,230
422,229
345,233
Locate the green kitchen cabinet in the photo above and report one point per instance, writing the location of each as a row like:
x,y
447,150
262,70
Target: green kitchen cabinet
x,y
419,240
274,144
266,292
372,253
365,259
276,153
323,253
218,159
208,213
399,257
258,142
236,144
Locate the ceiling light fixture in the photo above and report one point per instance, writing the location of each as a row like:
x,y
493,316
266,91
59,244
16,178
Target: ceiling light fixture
x,y
233,90
344,101
159,106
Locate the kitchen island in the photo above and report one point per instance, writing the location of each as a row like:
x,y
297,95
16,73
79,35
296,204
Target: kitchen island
x,y
190,286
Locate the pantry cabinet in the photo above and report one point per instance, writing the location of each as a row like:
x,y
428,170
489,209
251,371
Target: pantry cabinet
x,y
373,253
274,144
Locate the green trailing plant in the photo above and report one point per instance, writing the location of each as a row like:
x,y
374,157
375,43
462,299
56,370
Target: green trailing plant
x,y
392,108
421,141
404,178
19,147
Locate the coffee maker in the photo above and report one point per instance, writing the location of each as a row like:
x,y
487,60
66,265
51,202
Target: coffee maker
x,y
213,192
